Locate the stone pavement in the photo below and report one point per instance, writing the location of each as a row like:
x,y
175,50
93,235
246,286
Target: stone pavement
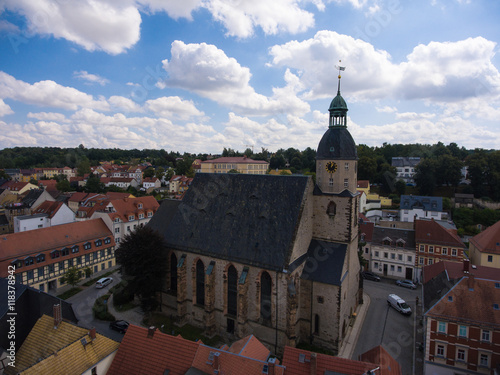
x,y
133,316
353,332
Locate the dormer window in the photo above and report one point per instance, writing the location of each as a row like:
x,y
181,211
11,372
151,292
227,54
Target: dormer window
x,y
28,261
387,241
141,216
139,206
64,251
107,240
40,258
98,243
131,218
87,245
117,220
150,214
75,249
54,254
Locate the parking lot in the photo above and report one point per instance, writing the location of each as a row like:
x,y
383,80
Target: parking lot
x,y
385,326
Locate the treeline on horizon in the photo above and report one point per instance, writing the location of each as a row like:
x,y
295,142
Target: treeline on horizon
x,y
441,165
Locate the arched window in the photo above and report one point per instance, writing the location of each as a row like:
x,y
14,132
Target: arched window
x,y
200,283
332,209
232,291
173,274
316,324
265,297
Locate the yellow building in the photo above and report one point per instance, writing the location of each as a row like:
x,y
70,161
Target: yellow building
x,y
384,201
242,164
484,248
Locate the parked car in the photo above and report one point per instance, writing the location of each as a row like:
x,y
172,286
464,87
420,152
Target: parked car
x,y
119,325
406,284
370,276
398,304
101,283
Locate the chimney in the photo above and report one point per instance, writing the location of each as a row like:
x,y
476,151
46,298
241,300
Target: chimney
x,y
57,315
466,265
151,331
313,364
470,282
215,363
92,334
271,364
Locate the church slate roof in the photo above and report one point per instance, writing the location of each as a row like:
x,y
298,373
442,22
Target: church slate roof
x,y
337,143
251,219
325,262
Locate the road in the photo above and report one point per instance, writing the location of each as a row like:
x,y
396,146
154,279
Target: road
x,y
385,326
82,306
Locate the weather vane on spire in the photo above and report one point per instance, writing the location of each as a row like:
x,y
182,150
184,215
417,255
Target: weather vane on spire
x,y
340,68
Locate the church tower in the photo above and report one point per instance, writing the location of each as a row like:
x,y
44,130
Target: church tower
x,y
336,158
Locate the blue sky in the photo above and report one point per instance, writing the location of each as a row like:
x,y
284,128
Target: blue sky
x,y
201,75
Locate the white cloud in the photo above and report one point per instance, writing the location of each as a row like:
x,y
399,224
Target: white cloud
x,y
47,116
110,26
124,104
47,94
414,115
174,8
91,78
7,27
386,109
173,107
13,135
207,71
5,109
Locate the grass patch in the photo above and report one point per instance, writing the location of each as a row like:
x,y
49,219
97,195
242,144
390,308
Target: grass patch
x,y
312,348
187,331
100,309
70,293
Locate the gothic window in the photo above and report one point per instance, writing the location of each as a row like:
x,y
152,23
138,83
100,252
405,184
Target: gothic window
x,y
332,209
200,283
232,291
265,297
173,274
316,324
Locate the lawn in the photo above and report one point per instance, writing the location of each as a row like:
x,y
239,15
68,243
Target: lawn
x,y
70,293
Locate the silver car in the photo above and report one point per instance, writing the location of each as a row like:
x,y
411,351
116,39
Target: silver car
x,y
406,284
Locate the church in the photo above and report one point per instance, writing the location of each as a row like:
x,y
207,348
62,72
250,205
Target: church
x,y
273,256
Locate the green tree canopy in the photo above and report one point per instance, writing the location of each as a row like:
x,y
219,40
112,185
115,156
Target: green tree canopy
x,y
71,277
141,257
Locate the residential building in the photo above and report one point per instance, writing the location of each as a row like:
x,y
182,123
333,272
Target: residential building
x,y
304,362
242,164
45,215
196,165
435,243
269,255
13,173
47,253
121,182
16,187
364,185
391,252
484,248
125,215
25,204
405,168
413,207
30,305
4,224
57,347
463,326
464,200
136,172
151,183
27,175
179,184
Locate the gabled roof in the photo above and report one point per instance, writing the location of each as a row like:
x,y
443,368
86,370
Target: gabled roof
x,y
49,208
409,202
229,363
14,185
140,354
470,301
52,237
488,241
394,234
431,232
378,355
60,351
329,270
32,196
363,184
48,184
403,161
298,362
250,219
251,347
235,160
125,207
366,227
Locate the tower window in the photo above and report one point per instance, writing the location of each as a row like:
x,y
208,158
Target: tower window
x,y
332,209
330,182
346,182
346,166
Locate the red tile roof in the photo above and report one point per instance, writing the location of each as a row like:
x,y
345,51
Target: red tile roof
x,y
431,232
236,160
140,354
378,355
49,208
14,185
48,184
366,228
455,270
363,184
470,301
127,206
251,347
295,366
488,240
229,363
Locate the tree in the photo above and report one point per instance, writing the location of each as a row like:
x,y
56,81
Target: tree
x,y
425,176
367,168
448,170
94,184
63,185
400,187
141,257
233,171
83,167
277,162
150,172
71,277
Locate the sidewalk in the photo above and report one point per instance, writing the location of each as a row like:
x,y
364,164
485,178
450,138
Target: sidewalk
x,y
352,334
133,316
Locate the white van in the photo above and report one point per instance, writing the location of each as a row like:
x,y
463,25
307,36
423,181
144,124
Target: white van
x,y
399,304
101,283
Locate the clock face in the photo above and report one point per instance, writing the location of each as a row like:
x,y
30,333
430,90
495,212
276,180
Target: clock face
x,y
331,167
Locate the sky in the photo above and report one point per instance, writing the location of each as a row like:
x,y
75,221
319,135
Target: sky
x,y
200,75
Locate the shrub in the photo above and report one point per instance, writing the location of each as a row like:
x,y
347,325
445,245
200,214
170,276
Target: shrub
x,y
100,309
121,296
